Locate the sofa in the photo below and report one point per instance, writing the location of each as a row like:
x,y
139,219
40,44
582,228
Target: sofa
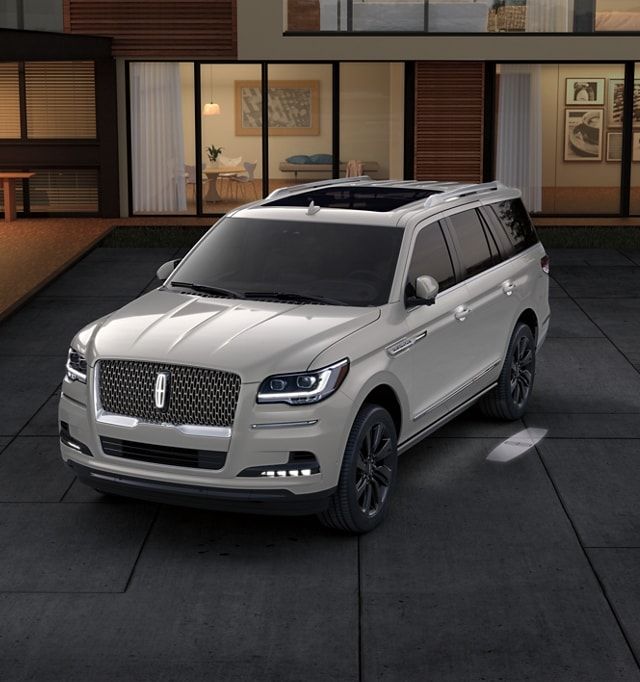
x,y
288,166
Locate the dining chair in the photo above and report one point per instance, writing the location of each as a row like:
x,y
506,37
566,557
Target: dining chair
x,y
241,182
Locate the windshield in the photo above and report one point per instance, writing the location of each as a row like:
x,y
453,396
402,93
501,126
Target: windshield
x,y
333,263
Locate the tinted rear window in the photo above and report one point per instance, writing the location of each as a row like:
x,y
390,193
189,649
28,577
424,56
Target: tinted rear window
x,y
516,223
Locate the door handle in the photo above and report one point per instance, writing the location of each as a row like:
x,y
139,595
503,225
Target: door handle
x,y
461,313
508,287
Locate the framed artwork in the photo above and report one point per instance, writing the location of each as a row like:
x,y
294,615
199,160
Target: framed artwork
x,y
635,147
615,102
583,133
585,91
614,146
294,108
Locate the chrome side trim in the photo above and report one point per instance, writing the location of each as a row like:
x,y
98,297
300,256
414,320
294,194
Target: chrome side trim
x,y
284,425
428,430
404,344
454,393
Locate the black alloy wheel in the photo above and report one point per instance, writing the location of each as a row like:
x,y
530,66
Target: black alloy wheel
x,y
509,399
521,372
367,474
374,469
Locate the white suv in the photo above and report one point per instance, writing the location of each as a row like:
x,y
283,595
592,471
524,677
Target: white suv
x,y
306,341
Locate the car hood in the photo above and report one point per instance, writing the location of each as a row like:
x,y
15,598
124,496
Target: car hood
x,y
252,338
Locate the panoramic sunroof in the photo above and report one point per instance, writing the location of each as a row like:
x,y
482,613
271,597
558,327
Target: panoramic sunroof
x,y
355,198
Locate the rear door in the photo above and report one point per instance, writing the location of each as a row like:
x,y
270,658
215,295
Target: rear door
x,y
491,288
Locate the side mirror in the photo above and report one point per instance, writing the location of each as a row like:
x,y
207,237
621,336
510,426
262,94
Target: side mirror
x,y
166,269
424,292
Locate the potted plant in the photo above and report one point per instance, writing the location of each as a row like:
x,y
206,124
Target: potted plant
x,y
213,153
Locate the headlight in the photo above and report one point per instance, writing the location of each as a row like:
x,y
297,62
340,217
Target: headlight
x,y
305,387
76,366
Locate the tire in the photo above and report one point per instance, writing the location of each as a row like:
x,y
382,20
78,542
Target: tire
x,y
508,400
367,475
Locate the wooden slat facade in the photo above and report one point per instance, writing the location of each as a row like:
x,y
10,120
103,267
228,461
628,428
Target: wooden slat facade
x,y
158,28
449,121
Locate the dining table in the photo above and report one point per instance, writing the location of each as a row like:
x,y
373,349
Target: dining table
x,y
213,172
8,179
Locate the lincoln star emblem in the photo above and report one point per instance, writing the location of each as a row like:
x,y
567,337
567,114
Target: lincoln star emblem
x,y
161,393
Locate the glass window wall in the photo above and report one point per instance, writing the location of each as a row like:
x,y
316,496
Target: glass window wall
x,y
372,119
231,124
559,135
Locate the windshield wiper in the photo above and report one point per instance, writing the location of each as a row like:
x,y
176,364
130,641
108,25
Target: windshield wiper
x,y
206,289
291,296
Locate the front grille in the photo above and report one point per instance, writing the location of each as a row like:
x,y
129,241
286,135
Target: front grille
x,y
161,454
204,397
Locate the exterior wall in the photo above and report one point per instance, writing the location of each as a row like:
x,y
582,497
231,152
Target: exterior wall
x,y
449,121
167,29
260,26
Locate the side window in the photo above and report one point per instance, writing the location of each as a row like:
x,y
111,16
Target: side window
x,y
473,246
516,223
431,257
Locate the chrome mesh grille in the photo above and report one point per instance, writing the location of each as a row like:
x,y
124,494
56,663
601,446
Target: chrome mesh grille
x,y
205,397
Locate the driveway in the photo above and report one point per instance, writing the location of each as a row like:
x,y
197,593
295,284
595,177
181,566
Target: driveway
x,y
487,568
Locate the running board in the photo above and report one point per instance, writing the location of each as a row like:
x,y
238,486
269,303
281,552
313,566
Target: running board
x,y
428,430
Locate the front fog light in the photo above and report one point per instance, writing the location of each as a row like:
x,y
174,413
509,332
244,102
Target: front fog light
x,y
304,387
76,366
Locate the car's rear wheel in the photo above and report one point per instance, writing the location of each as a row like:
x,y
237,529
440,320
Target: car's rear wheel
x,y
368,473
509,399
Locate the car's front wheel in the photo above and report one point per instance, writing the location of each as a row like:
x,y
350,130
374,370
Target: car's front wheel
x,y
368,473
508,400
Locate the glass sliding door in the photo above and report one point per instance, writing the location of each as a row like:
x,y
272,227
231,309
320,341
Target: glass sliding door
x,y
372,119
300,123
231,128
559,135
162,133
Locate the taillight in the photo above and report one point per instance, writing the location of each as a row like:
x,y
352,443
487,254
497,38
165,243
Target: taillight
x,y
544,263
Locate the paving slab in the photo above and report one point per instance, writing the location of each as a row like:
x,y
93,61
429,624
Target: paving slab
x,y
619,319
598,425
569,321
79,492
619,570
477,574
264,634
45,326
473,424
555,290
633,255
591,257
101,279
213,596
45,421
581,281
598,483
31,470
30,382
584,375
3,443
70,547
154,255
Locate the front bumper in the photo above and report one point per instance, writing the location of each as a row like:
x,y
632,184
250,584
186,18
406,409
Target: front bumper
x,y
320,429
273,501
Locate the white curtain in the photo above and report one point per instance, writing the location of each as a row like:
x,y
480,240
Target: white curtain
x,y
552,16
157,149
519,152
